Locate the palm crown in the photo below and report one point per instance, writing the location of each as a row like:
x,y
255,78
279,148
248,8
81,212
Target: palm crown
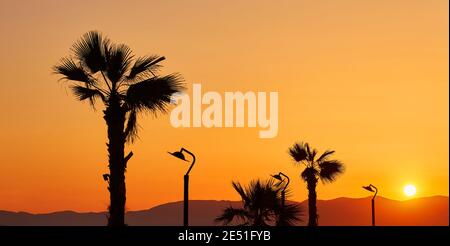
x,y
101,70
322,167
260,206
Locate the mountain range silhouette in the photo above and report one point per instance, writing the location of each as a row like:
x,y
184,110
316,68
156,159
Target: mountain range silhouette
x,y
425,211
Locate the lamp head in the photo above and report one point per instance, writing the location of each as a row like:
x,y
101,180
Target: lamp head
x,y
277,177
178,155
369,188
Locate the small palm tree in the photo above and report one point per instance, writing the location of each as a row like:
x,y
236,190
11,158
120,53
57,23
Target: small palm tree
x,y
324,168
261,207
127,86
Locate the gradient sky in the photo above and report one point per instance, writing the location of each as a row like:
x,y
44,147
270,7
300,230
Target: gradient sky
x,y
368,79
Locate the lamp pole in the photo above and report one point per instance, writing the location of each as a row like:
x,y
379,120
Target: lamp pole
x,y
283,192
179,154
372,188
186,190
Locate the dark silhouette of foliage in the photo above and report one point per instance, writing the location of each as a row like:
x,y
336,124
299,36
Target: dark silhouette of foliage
x,y
315,168
261,206
101,70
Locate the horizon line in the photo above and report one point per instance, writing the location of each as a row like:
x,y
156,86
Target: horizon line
x,y
215,200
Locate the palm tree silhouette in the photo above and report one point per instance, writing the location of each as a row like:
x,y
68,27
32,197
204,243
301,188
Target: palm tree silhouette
x,y
127,86
261,207
324,168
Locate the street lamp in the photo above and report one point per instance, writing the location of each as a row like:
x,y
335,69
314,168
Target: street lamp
x,y
283,192
371,189
180,155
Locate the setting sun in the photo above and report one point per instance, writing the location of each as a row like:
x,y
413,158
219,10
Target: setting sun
x,y
409,190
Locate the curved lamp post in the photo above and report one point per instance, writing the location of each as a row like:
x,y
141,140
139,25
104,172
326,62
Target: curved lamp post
x,y
180,155
283,192
372,188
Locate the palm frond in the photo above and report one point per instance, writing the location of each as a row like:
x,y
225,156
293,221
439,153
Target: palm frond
x,y
298,151
153,94
90,49
83,93
312,155
242,192
118,59
308,149
330,169
288,192
290,214
325,155
265,198
131,129
71,71
229,214
144,65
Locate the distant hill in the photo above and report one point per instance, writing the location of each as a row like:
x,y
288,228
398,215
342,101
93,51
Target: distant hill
x,y
354,212
336,212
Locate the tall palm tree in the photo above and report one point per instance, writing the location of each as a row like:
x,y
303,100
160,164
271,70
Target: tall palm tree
x,y
101,70
322,167
261,207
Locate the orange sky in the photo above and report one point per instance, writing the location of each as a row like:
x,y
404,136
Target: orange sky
x,y
368,79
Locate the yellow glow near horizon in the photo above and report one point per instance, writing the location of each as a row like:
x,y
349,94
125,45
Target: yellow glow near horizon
x,y
409,190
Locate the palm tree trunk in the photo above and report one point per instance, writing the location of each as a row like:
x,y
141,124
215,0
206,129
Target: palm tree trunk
x,y
114,116
312,198
258,218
